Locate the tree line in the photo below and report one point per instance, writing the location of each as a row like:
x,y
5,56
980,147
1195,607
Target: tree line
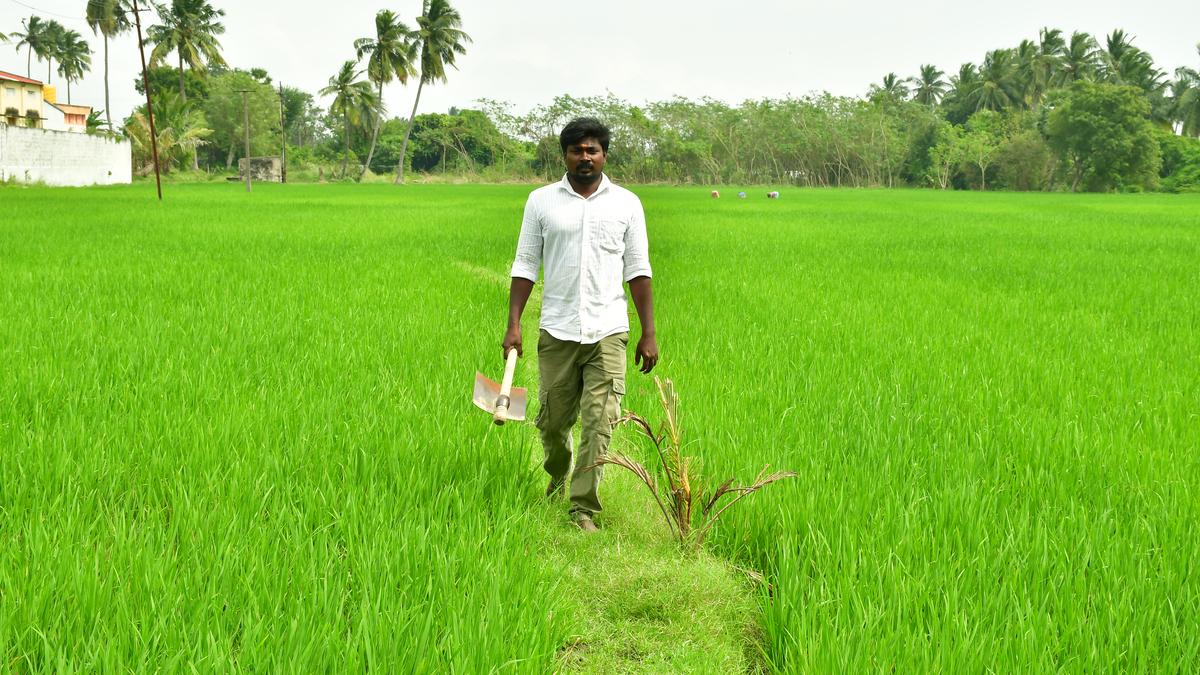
x,y
1057,112
197,103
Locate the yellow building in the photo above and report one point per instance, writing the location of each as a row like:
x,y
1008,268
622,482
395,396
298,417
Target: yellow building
x,y
20,100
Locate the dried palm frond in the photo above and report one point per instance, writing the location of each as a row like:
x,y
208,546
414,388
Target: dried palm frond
x,y
640,471
679,497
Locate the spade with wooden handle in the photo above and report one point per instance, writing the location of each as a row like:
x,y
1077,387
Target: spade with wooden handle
x,y
503,401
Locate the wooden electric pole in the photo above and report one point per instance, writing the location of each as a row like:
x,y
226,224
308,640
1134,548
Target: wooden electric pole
x,y
137,16
283,133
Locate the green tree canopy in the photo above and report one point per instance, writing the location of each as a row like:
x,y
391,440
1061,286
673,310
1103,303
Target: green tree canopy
x,y
166,78
1103,133
225,116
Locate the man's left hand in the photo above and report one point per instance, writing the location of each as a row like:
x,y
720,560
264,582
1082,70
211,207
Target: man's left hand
x,y
646,356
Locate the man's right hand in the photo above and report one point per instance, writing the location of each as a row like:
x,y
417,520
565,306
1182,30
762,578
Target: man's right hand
x,y
512,340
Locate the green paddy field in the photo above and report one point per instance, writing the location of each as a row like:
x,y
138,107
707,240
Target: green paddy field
x,y
236,434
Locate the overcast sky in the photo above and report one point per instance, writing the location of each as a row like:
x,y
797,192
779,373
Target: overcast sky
x,y
529,51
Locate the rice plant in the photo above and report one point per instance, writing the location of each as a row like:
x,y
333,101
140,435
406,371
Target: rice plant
x,y
236,434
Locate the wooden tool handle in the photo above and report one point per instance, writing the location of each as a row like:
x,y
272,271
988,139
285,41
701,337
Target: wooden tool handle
x,y
502,401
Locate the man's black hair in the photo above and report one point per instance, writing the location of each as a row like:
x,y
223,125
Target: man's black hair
x,y
581,128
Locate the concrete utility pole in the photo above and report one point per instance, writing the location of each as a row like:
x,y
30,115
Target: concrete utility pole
x,y
283,133
246,116
137,16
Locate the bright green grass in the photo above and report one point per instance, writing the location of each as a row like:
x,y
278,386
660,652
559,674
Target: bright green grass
x,y
235,432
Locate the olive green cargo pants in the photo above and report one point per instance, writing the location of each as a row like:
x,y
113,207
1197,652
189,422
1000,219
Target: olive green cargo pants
x,y
578,380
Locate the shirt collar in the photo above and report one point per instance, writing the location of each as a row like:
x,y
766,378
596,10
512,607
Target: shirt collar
x,y
604,183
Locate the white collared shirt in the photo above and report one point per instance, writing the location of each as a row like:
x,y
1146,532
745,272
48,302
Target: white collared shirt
x,y
590,248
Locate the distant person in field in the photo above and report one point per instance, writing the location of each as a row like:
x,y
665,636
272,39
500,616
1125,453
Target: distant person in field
x,y
590,235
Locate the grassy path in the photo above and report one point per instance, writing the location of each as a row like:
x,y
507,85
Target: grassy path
x,y
635,601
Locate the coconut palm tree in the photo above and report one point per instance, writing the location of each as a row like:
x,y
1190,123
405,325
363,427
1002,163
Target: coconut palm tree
x,y
1025,71
892,87
965,80
353,98
1118,49
440,35
108,18
74,58
190,29
1186,89
392,54
962,88
998,87
1124,63
1048,62
33,39
928,87
56,35
180,132
1079,58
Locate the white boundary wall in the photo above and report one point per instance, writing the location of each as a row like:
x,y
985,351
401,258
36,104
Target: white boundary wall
x,y
62,158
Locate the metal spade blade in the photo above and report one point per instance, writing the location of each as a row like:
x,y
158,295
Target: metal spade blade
x,y
487,391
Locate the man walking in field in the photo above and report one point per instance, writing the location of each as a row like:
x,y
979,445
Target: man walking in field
x,y
590,235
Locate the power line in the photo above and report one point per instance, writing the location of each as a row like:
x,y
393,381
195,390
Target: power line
x,y
43,11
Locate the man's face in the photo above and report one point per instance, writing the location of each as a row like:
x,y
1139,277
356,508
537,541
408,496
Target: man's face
x,y
585,161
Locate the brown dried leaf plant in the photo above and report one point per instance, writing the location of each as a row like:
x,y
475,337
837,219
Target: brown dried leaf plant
x,y
680,495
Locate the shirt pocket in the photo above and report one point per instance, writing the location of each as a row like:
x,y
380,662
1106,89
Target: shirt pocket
x,y
610,234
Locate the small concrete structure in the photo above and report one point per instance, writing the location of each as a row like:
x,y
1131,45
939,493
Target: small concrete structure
x,y
262,169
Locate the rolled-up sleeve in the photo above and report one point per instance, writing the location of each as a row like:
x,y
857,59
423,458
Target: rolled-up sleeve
x,y
529,245
637,246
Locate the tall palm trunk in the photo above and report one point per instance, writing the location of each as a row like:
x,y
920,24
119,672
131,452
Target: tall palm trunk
x,y
107,103
374,134
182,88
68,91
183,97
346,159
29,63
404,146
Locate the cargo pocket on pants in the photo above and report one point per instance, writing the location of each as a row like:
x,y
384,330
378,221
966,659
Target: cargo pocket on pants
x,y
612,407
